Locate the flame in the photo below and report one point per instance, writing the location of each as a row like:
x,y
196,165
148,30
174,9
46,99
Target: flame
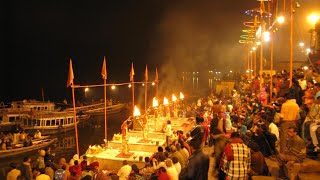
x,y
165,101
155,102
174,98
136,111
181,95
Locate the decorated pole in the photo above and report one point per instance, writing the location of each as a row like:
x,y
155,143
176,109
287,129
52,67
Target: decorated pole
x,y
146,90
104,77
132,86
71,83
157,82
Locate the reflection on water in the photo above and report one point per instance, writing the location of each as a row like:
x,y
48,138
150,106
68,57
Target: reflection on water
x,y
90,132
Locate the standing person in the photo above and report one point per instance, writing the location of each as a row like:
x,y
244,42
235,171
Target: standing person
x,y
124,131
26,171
168,131
198,165
236,158
288,115
124,171
14,173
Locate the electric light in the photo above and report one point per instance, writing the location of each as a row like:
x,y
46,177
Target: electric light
x,y
301,44
314,18
258,43
266,36
254,48
86,89
113,87
308,50
280,19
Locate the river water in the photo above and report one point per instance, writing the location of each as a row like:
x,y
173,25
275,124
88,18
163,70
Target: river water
x,y
90,132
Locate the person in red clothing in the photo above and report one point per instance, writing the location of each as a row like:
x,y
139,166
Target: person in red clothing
x,y
76,168
84,163
162,174
94,165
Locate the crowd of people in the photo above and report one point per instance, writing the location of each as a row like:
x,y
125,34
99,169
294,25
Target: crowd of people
x,y
242,128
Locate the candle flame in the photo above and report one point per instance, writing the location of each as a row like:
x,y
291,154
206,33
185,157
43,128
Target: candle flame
x,y
181,95
155,102
136,111
174,98
165,101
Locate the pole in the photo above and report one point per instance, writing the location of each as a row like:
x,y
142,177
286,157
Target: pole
x,y
291,41
255,63
261,38
271,63
132,86
105,111
251,65
75,118
145,96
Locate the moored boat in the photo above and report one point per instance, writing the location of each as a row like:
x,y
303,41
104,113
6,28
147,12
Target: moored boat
x,y
50,123
22,109
111,109
20,149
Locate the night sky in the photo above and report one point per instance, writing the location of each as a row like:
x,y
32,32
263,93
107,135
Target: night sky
x,y
40,37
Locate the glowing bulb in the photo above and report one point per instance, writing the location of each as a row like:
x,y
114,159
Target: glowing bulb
x,y
258,43
313,18
266,36
280,19
301,44
254,48
113,87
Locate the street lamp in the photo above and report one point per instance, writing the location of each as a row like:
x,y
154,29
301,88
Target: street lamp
x,y
85,91
301,44
313,19
280,19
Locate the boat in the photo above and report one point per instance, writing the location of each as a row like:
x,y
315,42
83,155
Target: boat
x,y
22,109
52,122
19,149
111,109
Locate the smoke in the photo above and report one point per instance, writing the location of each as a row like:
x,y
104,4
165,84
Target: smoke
x,y
194,37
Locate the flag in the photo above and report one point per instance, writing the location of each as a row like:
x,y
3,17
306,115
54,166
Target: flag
x,y
146,74
70,75
157,76
104,69
131,72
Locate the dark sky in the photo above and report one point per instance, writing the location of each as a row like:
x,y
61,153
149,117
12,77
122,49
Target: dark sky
x,y
176,35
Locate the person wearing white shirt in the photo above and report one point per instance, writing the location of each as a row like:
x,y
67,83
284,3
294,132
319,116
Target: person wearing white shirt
x,y
124,171
171,170
176,164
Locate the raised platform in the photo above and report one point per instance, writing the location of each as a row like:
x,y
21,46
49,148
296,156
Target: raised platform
x,y
113,158
140,144
139,147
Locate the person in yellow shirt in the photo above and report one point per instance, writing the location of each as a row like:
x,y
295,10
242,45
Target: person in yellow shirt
x,y
288,117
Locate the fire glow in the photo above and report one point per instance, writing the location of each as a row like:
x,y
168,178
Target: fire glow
x,y
174,98
155,102
165,101
136,111
181,95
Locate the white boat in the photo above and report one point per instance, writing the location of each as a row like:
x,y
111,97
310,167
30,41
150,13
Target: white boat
x,y
22,109
52,122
